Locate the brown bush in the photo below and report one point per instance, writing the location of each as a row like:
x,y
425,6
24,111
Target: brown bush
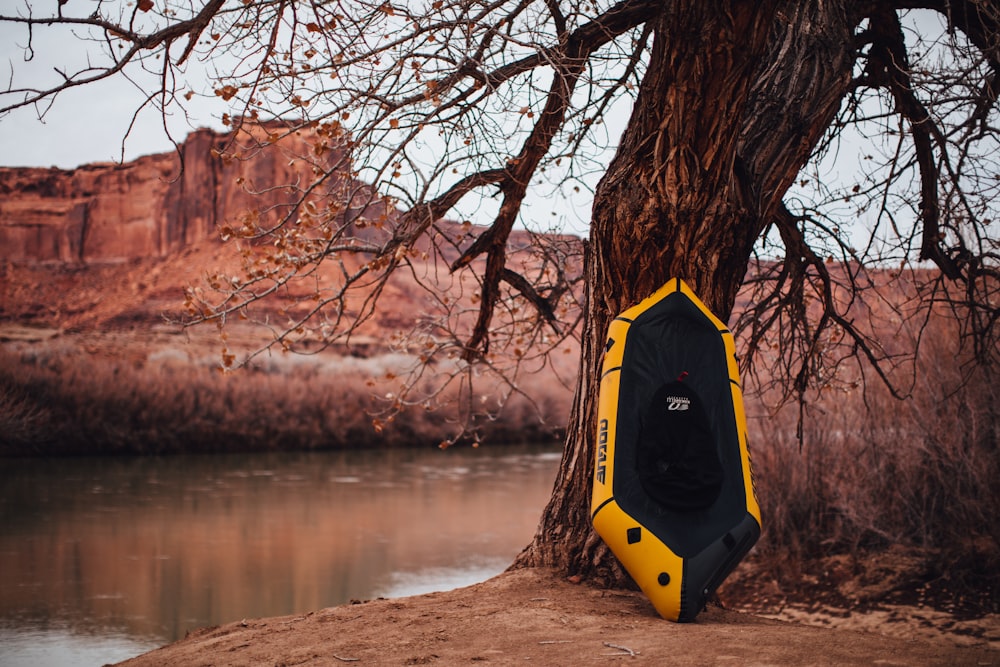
x,y
61,399
872,472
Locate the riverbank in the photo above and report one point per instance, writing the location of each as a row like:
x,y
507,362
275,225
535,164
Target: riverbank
x,y
535,616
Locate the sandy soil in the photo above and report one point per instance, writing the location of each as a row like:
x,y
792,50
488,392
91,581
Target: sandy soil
x,y
536,617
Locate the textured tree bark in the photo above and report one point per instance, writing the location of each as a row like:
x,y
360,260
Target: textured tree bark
x,y
682,199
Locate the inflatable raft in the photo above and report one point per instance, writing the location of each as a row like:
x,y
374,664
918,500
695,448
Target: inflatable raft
x,y
674,493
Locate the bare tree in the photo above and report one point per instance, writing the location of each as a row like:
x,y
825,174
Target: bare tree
x,y
809,142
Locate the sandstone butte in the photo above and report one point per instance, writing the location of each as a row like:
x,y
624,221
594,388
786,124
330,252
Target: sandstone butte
x,y
108,212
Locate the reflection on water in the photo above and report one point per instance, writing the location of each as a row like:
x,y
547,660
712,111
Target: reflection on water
x,y
123,555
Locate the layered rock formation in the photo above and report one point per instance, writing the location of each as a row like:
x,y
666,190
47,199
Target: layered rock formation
x,y
151,207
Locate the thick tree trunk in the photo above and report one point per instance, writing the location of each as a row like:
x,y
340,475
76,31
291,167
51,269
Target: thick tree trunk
x,y
682,199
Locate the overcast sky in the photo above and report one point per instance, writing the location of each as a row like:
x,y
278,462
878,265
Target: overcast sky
x,y
86,124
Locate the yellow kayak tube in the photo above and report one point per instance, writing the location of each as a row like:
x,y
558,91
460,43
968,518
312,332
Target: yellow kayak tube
x,y
674,494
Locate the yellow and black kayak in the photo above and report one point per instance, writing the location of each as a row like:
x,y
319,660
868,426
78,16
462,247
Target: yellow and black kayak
x,y
674,494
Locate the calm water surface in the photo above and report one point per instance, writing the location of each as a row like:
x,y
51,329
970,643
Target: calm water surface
x,y
102,559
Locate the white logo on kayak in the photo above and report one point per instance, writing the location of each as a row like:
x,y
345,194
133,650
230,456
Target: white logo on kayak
x,y
676,403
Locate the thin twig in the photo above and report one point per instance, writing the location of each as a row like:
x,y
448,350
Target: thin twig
x,y
625,650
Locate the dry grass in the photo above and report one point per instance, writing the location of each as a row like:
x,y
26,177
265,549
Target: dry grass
x,y
873,473
63,399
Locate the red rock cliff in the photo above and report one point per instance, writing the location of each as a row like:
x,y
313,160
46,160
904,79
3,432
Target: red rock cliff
x,y
109,212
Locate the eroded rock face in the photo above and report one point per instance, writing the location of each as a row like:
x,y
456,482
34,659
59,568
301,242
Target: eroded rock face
x,y
151,207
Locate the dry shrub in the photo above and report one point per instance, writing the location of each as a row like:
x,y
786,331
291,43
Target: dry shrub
x,y
24,425
61,399
872,472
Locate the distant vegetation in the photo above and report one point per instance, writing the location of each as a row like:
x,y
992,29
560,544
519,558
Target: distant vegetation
x,y
58,399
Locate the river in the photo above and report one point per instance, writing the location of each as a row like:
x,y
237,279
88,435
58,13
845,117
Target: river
x,y
106,558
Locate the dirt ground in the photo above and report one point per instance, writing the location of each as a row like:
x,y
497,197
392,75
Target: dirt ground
x,y
536,617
